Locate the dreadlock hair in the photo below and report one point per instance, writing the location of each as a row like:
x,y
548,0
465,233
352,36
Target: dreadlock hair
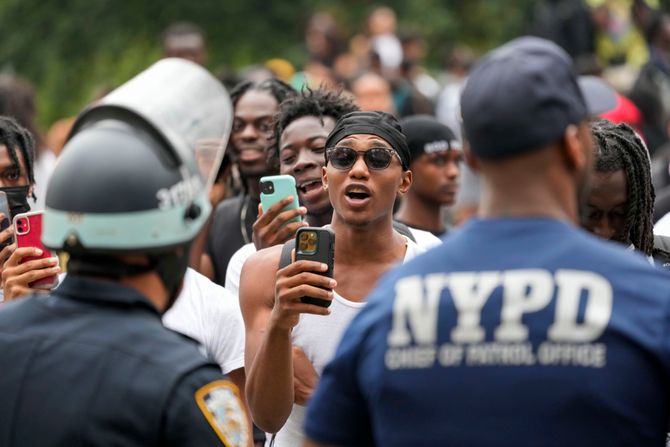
x,y
15,137
280,90
619,147
320,103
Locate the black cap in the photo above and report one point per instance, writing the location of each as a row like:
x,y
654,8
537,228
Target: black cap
x,y
523,95
425,135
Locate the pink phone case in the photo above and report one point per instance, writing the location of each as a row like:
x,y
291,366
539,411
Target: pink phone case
x,y
28,231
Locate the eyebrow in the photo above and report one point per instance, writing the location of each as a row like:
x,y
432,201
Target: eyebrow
x,y
254,119
309,140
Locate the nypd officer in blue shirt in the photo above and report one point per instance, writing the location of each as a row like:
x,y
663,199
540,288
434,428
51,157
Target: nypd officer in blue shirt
x,y
521,329
91,363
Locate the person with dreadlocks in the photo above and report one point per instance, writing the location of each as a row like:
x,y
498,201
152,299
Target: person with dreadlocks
x,y
17,100
620,205
17,179
301,126
255,105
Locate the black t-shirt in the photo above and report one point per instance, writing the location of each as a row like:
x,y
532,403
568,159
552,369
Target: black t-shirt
x,y
231,229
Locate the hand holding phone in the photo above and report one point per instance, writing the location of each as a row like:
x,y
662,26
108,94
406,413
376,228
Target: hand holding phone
x,y
316,244
281,215
28,233
5,220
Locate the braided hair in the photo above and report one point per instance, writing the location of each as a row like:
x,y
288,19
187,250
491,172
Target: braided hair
x,y
280,90
320,103
16,137
620,148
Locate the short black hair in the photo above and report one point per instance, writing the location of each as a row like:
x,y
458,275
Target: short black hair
x,y
320,103
16,137
280,90
620,148
181,29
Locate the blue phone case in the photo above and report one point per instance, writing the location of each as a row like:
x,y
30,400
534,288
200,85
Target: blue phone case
x,y
276,187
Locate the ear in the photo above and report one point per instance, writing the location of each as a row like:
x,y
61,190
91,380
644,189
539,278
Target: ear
x,y
405,182
577,156
324,177
470,159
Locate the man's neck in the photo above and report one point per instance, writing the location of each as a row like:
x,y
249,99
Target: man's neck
x,y
419,213
516,199
253,187
320,219
365,243
151,287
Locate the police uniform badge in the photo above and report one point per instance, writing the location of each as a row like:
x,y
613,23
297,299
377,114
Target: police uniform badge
x,y
221,406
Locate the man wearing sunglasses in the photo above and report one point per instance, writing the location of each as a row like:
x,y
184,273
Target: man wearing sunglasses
x,y
521,329
367,166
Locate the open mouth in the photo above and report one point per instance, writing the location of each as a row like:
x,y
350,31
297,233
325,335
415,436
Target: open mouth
x,y
354,195
357,195
309,186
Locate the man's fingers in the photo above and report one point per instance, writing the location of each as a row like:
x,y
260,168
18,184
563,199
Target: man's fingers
x,y
20,253
34,265
35,275
6,253
302,266
309,278
304,308
7,233
294,294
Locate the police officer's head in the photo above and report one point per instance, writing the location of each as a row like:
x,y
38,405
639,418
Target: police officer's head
x,y
525,114
125,200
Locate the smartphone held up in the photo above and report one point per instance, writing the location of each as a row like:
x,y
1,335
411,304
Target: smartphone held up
x,y
316,244
274,188
28,233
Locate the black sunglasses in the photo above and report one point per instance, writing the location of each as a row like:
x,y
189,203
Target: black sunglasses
x,y
376,158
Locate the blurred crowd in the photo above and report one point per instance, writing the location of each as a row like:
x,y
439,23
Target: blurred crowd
x,y
393,159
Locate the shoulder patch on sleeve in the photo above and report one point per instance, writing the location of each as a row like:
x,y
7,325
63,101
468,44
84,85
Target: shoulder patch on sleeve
x,y
221,406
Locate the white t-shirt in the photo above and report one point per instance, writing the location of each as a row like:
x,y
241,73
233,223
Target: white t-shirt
x,y
318,337
662,227
425,240
210,314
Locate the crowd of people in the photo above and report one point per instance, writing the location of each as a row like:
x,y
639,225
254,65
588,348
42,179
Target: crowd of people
x,y
180,314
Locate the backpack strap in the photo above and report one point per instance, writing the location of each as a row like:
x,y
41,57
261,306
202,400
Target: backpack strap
x,y
285,258
404,230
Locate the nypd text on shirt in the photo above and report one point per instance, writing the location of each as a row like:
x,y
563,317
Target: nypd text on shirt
x,y
570,336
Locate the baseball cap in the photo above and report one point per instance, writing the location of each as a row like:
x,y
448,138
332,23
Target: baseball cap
x,y
523,95
426,135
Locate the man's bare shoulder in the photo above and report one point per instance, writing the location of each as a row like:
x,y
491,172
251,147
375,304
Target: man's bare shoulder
x,y
264,260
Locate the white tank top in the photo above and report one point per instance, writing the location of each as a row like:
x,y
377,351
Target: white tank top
x,y
318,337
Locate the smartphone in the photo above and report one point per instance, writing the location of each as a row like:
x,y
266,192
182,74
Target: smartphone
x,y
4,223
28,233
274,188
316,244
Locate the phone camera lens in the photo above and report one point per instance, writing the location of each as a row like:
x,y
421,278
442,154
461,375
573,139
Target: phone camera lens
x,y
267,187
